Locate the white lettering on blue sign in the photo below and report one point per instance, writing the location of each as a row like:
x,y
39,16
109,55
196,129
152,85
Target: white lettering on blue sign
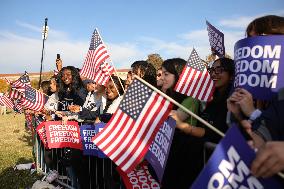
x,y
254,80
266,69
258,51
257,66
160,145
235,171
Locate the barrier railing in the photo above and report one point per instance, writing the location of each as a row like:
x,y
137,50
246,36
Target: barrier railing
x,y
95,172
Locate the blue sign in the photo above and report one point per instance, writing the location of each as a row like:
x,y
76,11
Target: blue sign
x,y
216,40
259,65
229,166
99,127
158,152
87,133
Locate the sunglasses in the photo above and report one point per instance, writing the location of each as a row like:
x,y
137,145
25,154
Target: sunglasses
x,y
217,70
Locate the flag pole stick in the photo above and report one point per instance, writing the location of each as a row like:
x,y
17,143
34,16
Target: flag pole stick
x,y
114,83
280,174
111,63
182,107
117,74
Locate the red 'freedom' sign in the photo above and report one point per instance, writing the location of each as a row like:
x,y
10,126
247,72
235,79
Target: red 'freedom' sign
x,y
60,136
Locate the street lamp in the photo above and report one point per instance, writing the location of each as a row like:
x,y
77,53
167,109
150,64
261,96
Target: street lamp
x,y
44,37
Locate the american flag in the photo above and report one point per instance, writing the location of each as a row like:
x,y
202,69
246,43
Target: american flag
x,y
8,81
18,108
12,103
96,55
104,73
40,129
128,135
14,94
6,101
33,99
29,121
22,82
195,80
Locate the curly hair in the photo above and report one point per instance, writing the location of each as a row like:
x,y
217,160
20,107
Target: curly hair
x,y
147,70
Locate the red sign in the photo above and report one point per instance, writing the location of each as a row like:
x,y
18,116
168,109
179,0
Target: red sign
x,y
139,178
60,136
42,133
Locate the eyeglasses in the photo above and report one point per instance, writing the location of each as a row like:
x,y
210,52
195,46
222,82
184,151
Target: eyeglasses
x,y
217,70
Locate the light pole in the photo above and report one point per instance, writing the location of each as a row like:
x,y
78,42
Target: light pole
x,y
44,37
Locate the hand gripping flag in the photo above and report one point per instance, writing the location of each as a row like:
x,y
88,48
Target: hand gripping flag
x,y
96,56
128,135
195,80
33,99
216,40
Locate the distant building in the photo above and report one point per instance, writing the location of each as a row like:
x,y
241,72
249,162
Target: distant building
x,y
122,73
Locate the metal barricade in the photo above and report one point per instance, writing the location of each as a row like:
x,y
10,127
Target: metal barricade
x,y
96,173
208,149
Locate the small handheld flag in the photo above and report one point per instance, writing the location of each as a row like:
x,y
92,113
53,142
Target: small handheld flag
x,y
95,60
195,81
128,135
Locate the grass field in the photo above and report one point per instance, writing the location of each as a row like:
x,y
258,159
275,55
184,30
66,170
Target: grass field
x,y
15,148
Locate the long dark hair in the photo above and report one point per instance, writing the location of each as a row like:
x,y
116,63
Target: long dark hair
x,y
229,66
147,69
76,85
175,67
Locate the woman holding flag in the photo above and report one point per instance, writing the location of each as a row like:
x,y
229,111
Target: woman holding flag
x,y
222,73
174,176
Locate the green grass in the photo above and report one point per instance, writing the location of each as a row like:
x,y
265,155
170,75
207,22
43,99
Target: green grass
x,y
15,148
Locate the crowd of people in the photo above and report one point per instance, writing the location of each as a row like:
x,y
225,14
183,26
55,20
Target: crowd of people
x,y
81,99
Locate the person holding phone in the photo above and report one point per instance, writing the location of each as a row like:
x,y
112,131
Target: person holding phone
x,y
58,63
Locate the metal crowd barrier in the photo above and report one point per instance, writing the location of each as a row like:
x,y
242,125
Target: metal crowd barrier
x,y
99,171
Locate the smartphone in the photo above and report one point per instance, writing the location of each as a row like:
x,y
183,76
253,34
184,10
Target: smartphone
x,y
58,56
